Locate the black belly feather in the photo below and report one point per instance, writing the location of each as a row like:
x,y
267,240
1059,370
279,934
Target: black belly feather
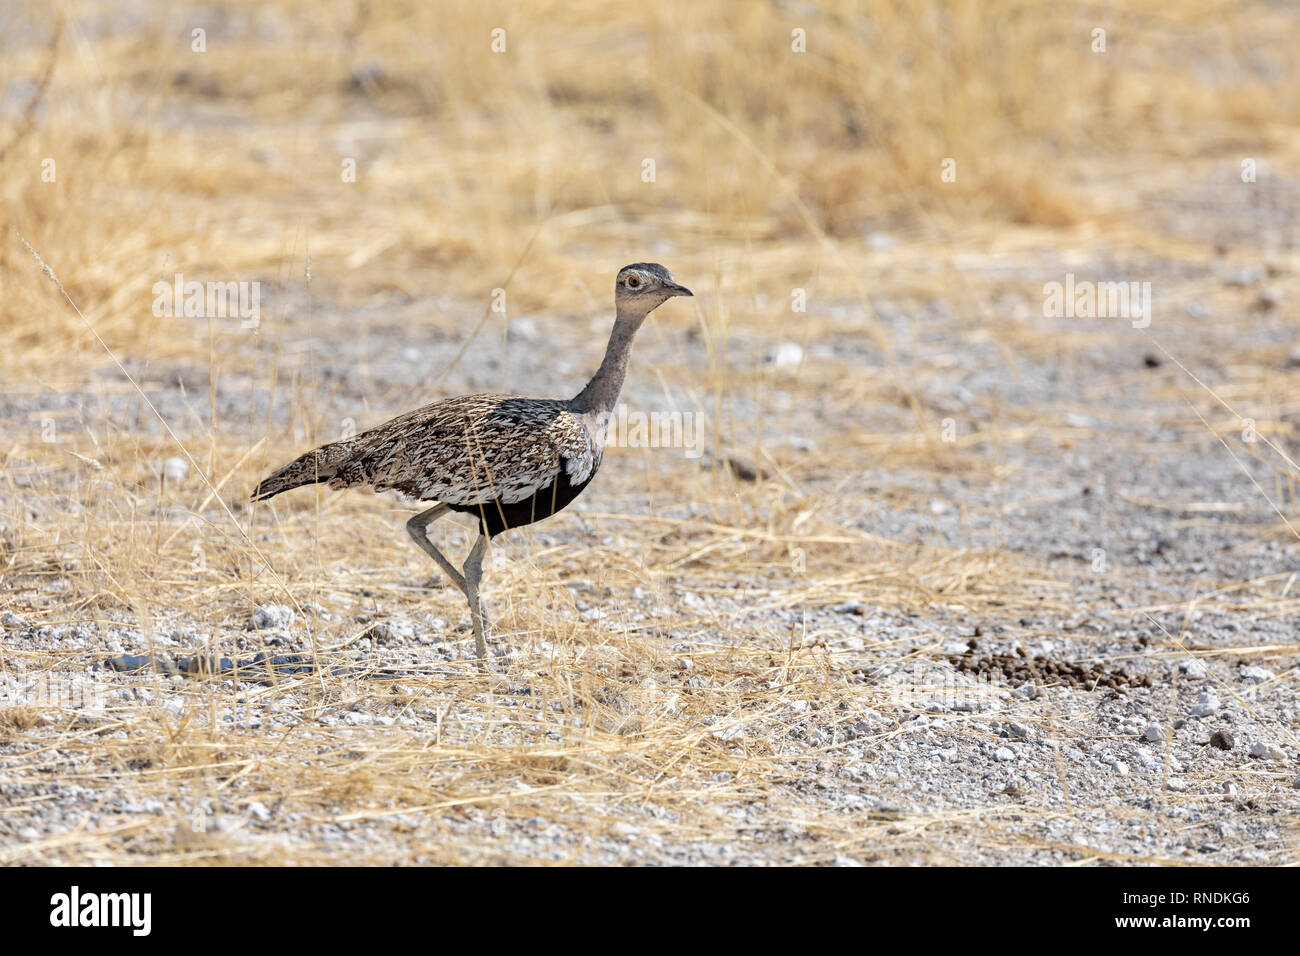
x,y
496,516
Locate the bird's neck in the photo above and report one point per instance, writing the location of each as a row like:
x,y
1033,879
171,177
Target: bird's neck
x,y
601,394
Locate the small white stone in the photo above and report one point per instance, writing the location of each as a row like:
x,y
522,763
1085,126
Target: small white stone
x,y
1206,705
1256,674
176,469
1119,766
1154,733
1004,754
787,355
1193,667
1266,751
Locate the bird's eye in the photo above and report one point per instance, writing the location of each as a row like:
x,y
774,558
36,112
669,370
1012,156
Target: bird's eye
x,y
633,282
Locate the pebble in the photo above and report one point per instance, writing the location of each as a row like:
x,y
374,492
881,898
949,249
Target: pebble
x,y
269,616
1193,667
176,469
1246,276
1017,729
398,632
1206,705
12,621
1257,674
1154,733
1269,298
787,355
1266,751
1004,754
1223,740
1119,766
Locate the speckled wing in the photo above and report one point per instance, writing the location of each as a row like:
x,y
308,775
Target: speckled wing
x,y
473,450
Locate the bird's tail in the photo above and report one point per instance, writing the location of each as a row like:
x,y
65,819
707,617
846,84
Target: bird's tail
x,y
319,464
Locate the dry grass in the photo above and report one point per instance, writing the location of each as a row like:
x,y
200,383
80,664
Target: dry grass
x,y
523,171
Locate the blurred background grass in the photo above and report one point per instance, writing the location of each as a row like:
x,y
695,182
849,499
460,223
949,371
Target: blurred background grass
x,y
226,163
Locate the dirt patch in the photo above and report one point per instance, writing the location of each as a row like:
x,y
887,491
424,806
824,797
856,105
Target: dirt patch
x,y
1020,667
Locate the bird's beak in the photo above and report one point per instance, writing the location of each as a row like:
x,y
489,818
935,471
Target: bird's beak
x,y
675,289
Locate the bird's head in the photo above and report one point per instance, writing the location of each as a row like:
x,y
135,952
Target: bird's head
x,y
643,286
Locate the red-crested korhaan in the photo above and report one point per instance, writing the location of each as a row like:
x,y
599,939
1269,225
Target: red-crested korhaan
x,y
507,460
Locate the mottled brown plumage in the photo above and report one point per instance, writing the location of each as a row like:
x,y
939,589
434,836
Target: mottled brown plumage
x,y
462,451
507,460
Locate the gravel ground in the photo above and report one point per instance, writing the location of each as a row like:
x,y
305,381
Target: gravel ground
x,y
1134,700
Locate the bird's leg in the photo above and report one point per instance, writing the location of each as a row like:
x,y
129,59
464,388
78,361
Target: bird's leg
x,y
474,574
417,529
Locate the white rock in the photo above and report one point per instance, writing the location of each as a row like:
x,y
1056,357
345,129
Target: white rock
x,y
1154,733
1193,667
1256,674
1004,754
1028,691
1119,766
176,469
1266,751
787,355
1206,705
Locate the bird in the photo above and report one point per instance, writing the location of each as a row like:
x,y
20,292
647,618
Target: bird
x,y
505,459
